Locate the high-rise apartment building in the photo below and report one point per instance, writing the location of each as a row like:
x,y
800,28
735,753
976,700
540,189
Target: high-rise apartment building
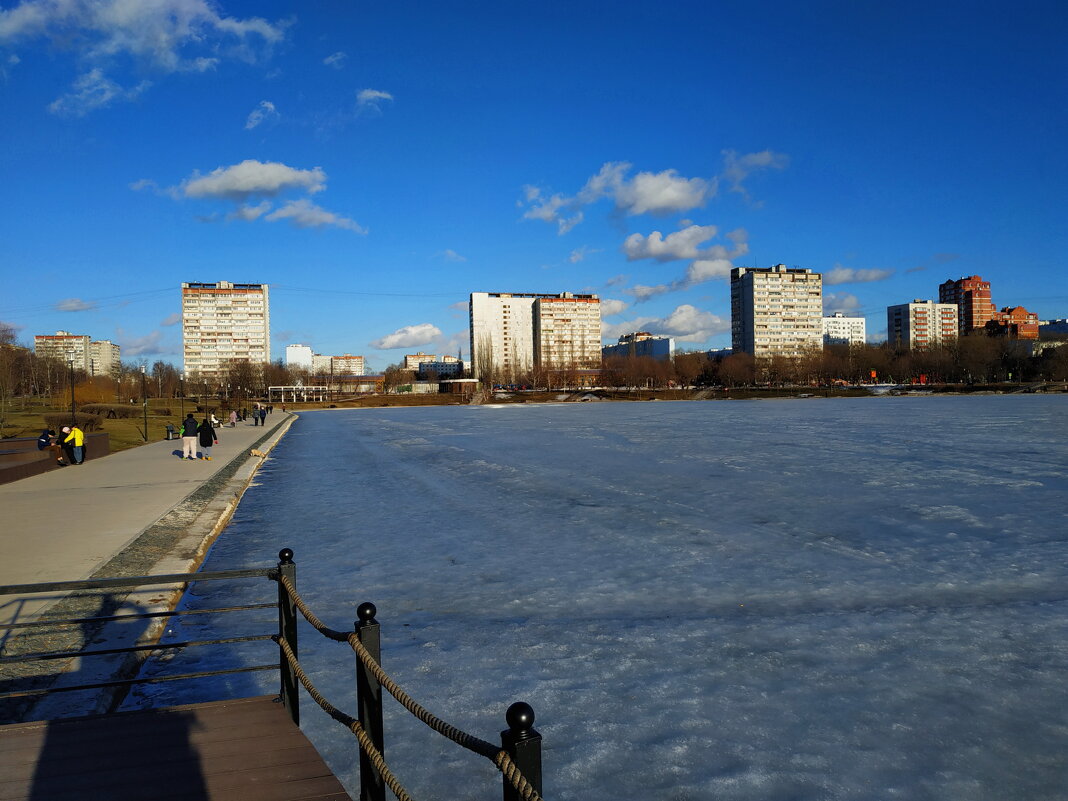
x,y
512,331
95,358
971,295
921,324
776,311
224,323
838,329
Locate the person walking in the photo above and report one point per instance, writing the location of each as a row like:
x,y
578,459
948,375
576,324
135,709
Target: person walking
x,y
263,416
233,418
77,442
189,437
206,432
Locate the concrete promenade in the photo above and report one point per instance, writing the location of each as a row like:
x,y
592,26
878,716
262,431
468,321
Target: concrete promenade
x,y
69,524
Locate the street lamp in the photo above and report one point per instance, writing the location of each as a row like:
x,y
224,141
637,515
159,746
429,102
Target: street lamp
x,y
70,361
181,391
144,403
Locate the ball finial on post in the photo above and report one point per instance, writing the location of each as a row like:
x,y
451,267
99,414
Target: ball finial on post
x,y
366,612
520,719
285,556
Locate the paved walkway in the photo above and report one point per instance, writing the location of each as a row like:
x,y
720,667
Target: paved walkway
x,y
66,524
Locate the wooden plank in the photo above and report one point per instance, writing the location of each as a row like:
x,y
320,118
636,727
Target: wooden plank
x,y
245,749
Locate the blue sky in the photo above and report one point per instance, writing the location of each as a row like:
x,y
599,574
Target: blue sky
x,y
375,163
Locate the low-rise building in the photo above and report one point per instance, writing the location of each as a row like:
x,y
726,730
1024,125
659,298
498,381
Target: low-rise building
x,y
1015,322
641,343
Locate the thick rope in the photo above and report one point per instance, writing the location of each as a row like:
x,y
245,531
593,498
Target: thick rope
x,y
498,756
348,721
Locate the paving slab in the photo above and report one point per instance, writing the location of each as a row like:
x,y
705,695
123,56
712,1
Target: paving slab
x,y
66,524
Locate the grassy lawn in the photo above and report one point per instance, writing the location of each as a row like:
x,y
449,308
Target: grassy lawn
x,y
25,418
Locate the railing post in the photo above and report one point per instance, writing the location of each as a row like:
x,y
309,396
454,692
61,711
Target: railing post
x,y
287,630
369,701
523,744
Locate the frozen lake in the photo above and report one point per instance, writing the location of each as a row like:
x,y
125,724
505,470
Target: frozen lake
x,y
778,600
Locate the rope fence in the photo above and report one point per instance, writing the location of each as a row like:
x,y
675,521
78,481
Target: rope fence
x,y
525,741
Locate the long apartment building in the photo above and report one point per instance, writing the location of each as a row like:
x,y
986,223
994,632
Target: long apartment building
x,y
224,323
921,324
94,358
511,332
776,311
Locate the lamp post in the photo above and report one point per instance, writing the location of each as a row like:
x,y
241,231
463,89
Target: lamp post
x,y
70,362
181,391
144,403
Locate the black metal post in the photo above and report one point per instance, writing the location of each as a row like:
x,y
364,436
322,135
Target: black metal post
x,y
73,419
369,702
287,630
144,401
523,744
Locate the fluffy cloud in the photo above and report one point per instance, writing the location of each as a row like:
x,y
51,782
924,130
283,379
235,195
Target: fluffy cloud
x,y
686,324
611,307
847,275
141,346
164,35
253,178
840,302
172,319
679,245
263,112
657,193
578,254
91,91
249,213
304,214
75,305
452,255
336,60
411,336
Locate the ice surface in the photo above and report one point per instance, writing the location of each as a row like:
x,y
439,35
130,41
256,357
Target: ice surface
x,y
776,600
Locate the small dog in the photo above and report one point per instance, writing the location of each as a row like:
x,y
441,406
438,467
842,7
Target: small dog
x,y
261,454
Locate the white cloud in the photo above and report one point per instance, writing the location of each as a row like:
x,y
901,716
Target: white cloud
x,y
610,307
578,254
336,60
643,293
840,302
253,178
304,214
249,213
686,324
737,168
75,305
847,275
166,36
264,111
370,100
172,319
160,32
703,270
452,255
616,280
91,91
410,336
679,245
141,346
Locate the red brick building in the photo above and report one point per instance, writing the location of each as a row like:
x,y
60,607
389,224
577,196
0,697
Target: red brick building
x,y
972,296
1015,322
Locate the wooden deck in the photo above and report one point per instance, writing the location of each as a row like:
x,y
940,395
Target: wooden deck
x,y
245,749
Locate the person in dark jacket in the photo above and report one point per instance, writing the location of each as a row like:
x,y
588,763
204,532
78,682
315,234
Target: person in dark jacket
x,y
206,432
47,442
189,437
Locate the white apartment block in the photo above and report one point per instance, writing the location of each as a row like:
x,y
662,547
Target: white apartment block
x,y
413,360
347,365
104,358
94,358
841,330
298,355
511,330
224,323
776,311
921,324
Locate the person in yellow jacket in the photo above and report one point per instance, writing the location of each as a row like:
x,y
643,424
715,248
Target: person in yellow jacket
x,y
77,442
